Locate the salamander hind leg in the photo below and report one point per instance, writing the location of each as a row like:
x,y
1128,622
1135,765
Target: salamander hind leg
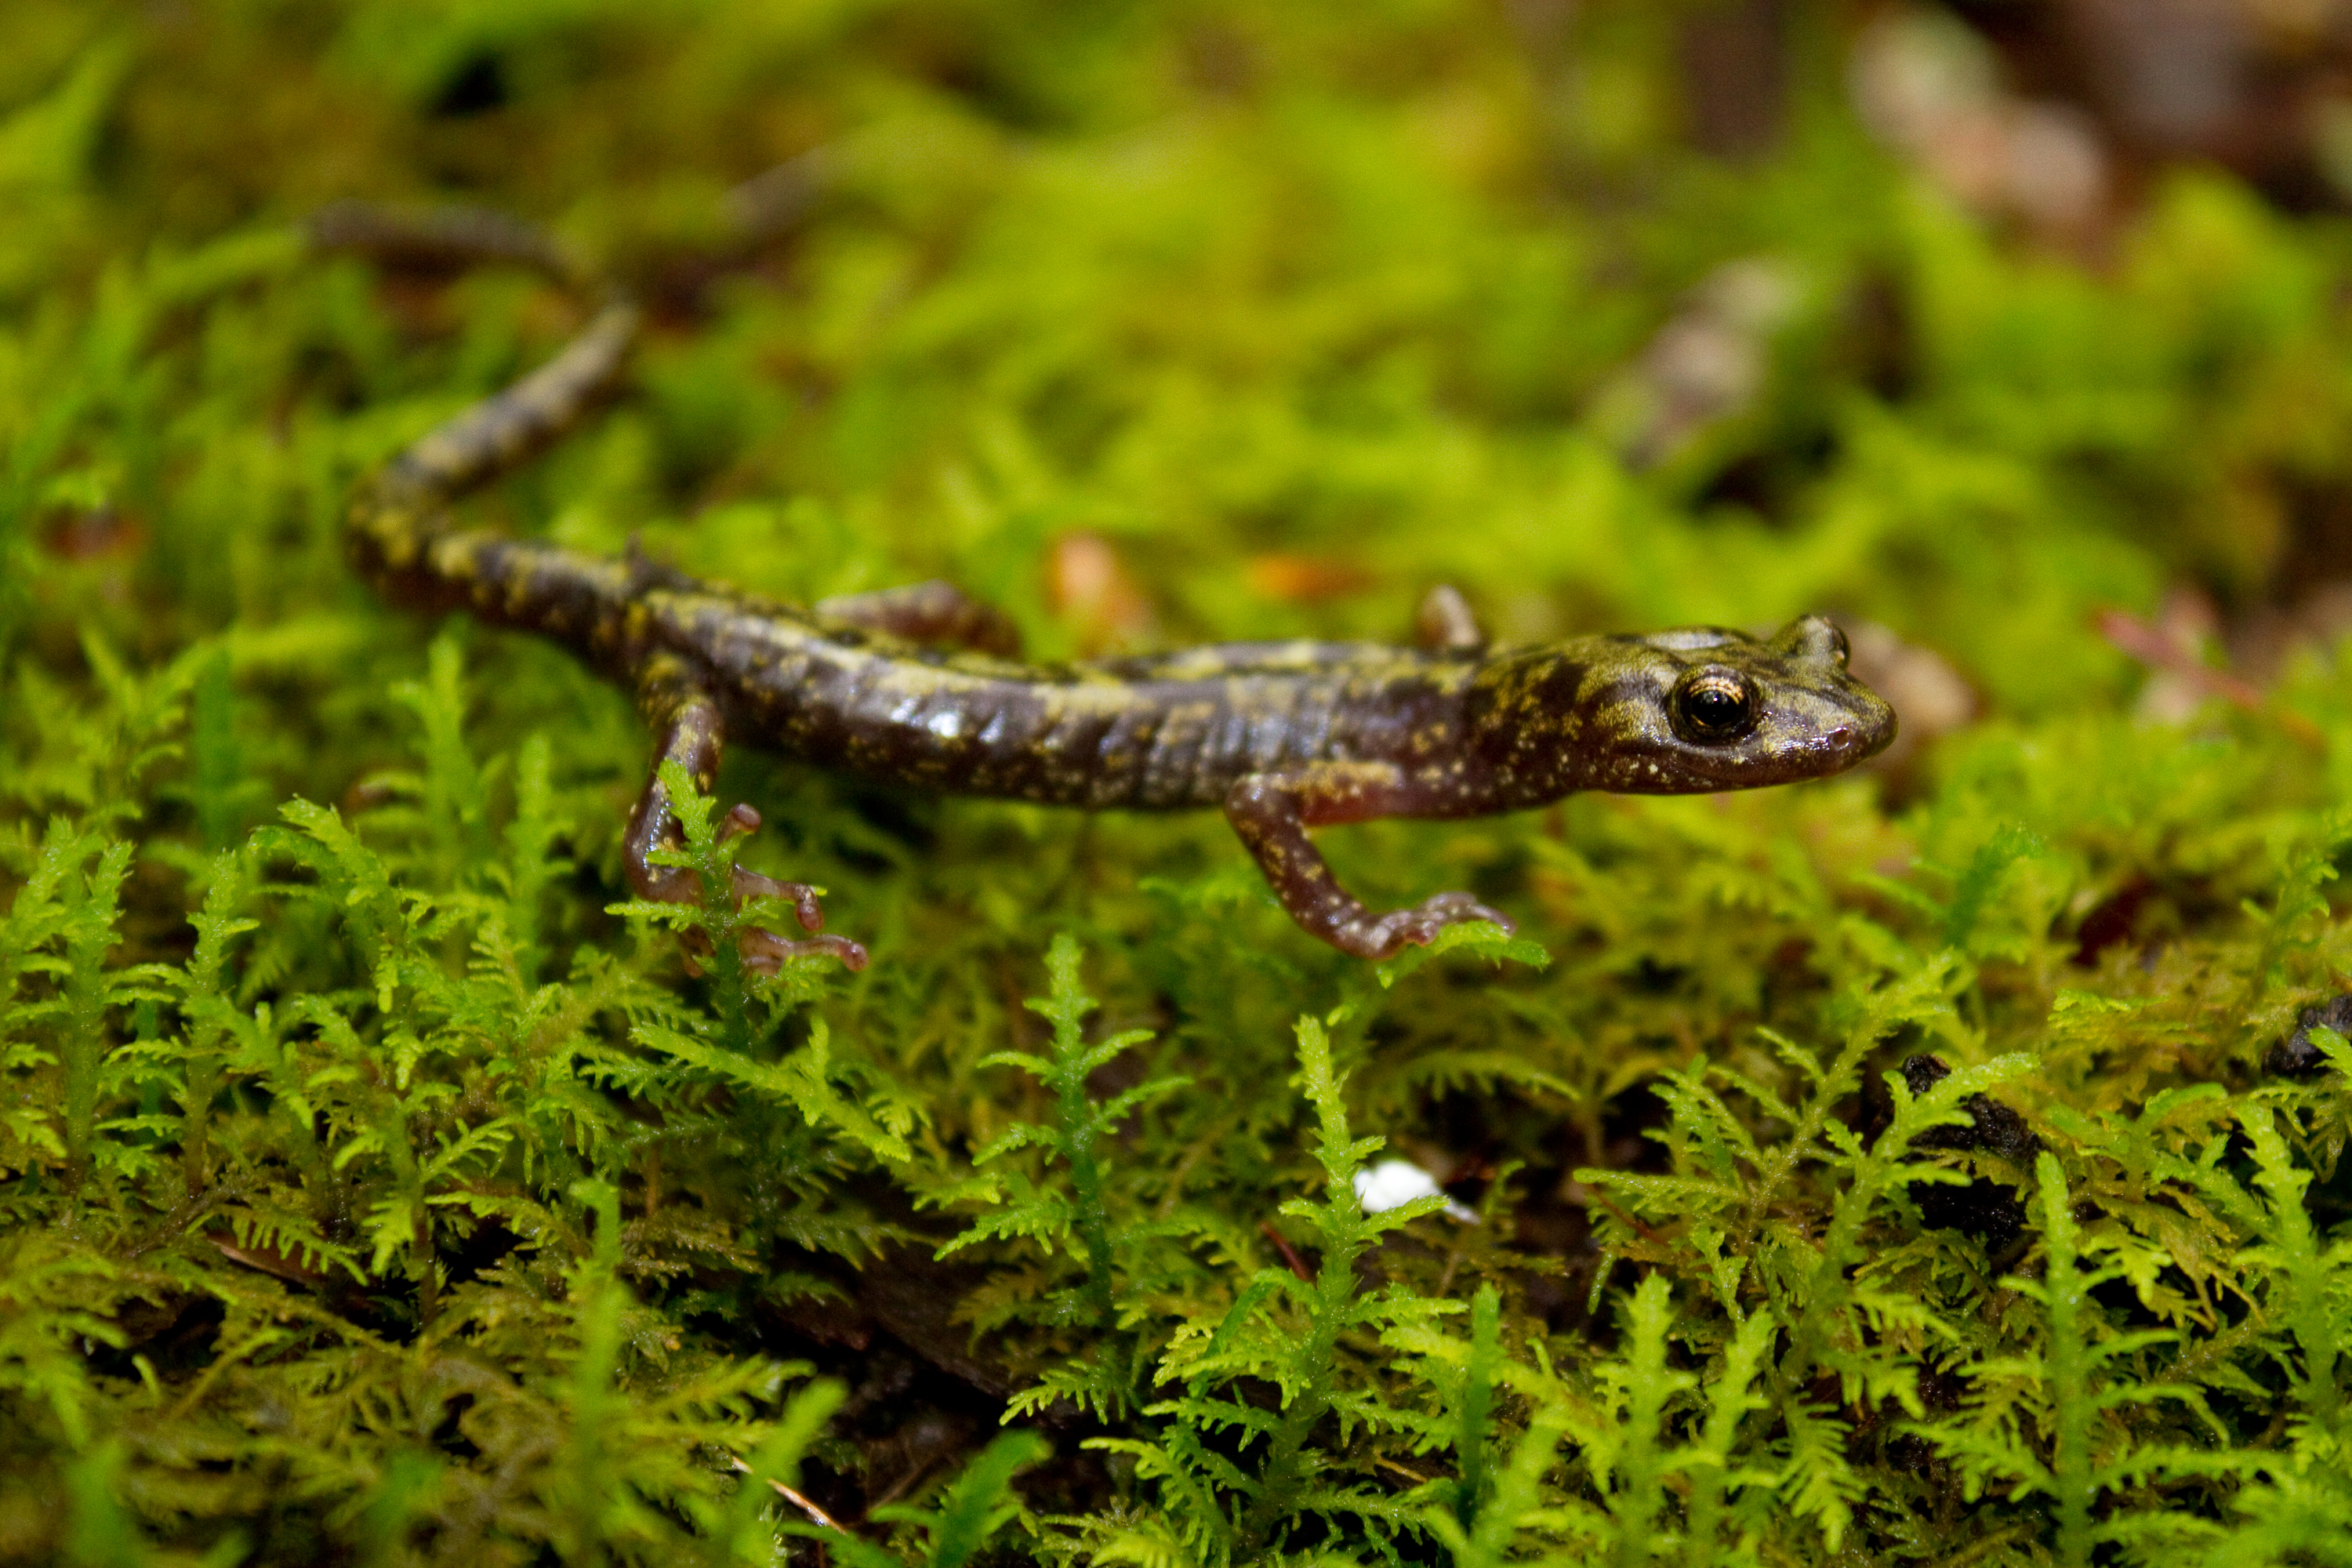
x,y
934,613
691,736
1272,813
1447,624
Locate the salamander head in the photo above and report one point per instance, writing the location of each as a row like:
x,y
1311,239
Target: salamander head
x,y
1684,713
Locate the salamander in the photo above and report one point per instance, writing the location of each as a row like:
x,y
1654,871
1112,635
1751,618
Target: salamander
x,y
922,686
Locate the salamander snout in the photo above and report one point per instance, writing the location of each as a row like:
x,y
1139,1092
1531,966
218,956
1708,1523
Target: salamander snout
x,y
1818,718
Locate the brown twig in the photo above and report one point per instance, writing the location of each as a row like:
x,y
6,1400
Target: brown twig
x,y
817,1516
897,1489
2151,646
1602,1201
1289,1255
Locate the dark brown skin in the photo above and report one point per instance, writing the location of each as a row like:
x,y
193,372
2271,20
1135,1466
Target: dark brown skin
x,y
920,686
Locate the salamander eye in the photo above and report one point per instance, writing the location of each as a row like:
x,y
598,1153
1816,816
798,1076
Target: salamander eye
x,y
1715,705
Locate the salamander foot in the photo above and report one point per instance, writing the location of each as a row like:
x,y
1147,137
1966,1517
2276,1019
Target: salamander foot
x,y
763,949
1416,927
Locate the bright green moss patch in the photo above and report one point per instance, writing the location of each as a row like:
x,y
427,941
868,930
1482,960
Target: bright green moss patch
x,y
1894,1168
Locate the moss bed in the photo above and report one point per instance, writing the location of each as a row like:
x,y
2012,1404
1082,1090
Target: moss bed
x,y
1913,1166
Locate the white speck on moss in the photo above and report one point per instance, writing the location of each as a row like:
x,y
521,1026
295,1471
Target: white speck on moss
x,y
1393,1184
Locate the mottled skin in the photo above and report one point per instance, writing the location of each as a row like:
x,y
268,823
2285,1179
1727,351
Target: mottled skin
x,y
920,685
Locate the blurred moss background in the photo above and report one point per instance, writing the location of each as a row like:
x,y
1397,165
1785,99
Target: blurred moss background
x,y
443,1215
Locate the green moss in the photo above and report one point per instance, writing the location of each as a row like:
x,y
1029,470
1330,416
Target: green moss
x,y
377,1182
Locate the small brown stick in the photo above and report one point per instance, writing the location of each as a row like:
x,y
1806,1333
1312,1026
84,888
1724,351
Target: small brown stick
x,y
1289,1256
2144,643
817,1516
897,1489
1602,1201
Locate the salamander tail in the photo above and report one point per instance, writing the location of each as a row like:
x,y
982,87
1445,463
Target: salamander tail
x,y
405,507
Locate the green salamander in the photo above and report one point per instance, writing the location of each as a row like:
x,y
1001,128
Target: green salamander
x,y
921,686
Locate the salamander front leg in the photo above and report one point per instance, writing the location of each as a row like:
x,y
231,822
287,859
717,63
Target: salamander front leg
x,y
1273,811
691,734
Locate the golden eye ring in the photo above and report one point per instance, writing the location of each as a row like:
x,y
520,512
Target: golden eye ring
x,y
1713,706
